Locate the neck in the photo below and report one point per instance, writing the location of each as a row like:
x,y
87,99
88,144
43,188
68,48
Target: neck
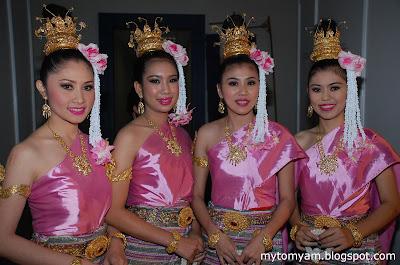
x,y
159,118
238,121
326,126
64,129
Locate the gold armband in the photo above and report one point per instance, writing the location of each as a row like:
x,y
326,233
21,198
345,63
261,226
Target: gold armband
x,y
2,173
110,168
119,235
200,161
76,261
21,189
357,236
293,232
173,247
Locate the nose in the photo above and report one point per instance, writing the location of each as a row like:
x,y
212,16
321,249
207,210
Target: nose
x,y
243,89
165,88
326,94
78,96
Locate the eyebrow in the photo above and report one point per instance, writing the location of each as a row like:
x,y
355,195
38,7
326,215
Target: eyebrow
x,y
334,83
74,82
150,76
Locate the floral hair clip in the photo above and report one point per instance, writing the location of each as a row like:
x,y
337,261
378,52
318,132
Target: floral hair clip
x,y
182,115
91,53
262,59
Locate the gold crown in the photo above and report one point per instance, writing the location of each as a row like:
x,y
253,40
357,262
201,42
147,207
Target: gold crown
x,y
60,32
326,45
236,39
147,40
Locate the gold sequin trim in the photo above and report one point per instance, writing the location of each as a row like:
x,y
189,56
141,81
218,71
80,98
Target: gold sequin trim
x,y
325,221
21,189
200,161
184,217
2,173
110,168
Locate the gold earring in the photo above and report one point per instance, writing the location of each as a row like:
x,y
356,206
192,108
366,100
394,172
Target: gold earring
x,y
221,107
310,111
175,106
256,106
88,116
140,106
46,111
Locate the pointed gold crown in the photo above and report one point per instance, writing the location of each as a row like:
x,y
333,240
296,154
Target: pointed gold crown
x,y
60,32
236,39
147,40
326,45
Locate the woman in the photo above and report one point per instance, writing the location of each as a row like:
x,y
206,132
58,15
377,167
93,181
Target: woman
x,y
66,186
249,160
155,155
348,187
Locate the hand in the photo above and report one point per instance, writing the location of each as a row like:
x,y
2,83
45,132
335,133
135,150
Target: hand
x,y
87,262
226,251
188,248
252,252
336,237
200,255
115,255
304,238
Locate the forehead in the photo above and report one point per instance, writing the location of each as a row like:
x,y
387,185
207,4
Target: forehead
x,y
160,65
73,69
241,69
328,75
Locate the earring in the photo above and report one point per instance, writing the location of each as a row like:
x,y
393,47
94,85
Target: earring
x,y
310,111
221,107
88,116
256,106
175,106
140,106
46,111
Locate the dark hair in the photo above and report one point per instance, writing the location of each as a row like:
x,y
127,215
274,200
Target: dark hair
x,y
142,62
231,61
57,59
326,24
327,64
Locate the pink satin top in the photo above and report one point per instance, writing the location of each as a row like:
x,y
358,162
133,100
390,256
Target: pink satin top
x,y
159,178
66,202
252,183
350,190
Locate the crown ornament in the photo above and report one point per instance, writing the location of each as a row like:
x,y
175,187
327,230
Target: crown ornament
x,y
147,40
236,39
59,32
326,44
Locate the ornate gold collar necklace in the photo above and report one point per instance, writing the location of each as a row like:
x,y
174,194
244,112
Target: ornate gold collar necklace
x,y
237,153
80,162
172,145
328,164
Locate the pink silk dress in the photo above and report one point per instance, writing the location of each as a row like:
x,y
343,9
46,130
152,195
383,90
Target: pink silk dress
x,y
65,202
351,190
161,186
250,187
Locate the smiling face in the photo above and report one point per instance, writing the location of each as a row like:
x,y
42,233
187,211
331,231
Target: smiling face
x,y
328,92
159,87
239,88
70,91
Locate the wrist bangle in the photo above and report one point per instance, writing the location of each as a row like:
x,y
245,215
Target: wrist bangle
x,y
76,261
268,243
293,232
173,247
213,239
357,236
119,235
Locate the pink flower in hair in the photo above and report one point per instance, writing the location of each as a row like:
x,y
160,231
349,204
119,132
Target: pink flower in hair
x,y
177,51
91,53
181,118
351,62
262,59
101,152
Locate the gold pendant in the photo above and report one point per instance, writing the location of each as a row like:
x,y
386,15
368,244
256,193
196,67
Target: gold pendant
x,y
174,147
236,154
82,165
328,165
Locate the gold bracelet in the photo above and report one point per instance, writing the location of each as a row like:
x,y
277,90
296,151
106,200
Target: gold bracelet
x,y
293,232
76,261
213,239
119,235
173,247
357,236
268,243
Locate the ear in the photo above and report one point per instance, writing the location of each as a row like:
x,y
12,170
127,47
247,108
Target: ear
x,y
138,89
41,88
219,91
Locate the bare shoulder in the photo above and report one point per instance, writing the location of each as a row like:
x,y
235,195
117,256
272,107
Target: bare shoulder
x,y
211,133
306,138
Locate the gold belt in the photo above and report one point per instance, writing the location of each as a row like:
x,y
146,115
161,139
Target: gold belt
x,y
326,221
89,250
184,216
238,222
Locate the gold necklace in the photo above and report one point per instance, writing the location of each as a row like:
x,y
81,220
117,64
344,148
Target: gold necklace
x,y
237,153
80,162
172,145
328,164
